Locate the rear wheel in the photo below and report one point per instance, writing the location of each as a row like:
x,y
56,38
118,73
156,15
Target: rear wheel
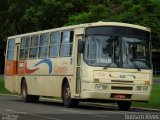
x,y
25,96
66,96
124,105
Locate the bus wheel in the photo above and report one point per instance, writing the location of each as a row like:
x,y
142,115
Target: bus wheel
x,y
67,101
124,105
25,96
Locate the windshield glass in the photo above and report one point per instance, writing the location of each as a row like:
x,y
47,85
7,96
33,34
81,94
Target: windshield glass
x,y
116,46
101,50
135,53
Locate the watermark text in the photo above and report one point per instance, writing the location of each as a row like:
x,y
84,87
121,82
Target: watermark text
x,y
141,117
9,117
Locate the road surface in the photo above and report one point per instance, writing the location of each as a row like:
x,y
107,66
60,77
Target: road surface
x,y
12,108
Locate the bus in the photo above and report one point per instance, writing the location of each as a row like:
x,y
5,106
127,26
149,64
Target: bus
x,y
100,61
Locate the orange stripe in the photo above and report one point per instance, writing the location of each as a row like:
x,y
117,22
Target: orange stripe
x,y
10,68
14,67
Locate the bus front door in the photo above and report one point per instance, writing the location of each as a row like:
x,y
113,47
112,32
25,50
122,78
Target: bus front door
x,y
78,71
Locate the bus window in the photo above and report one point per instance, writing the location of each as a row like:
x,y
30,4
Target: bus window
x,y
10,52
136,53
34,46
102,50
43,46
24,49
54,44
66,43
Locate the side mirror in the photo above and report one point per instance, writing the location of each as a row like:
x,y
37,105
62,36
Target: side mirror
x,y
80,46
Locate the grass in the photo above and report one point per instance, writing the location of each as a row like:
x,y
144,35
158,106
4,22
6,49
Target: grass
x,y
2,88
154,101
156,76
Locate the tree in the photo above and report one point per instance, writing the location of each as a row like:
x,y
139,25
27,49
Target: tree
x,y
17,17
95,13
141,12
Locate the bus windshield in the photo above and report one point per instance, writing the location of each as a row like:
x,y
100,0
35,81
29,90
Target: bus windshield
x,y
107,50
135,53
101,50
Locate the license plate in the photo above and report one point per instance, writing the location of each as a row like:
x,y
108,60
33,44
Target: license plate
x,y
119,96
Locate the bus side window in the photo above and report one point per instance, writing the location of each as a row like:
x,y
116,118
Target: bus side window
x,y
54,44
43,46
34,46
66,43
10,49
24,48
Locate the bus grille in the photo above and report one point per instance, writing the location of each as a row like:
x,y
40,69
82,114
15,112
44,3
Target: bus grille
x,y
121,88
121,81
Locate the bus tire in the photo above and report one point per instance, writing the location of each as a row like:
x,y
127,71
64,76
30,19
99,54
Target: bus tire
x,y
66,96
34,98
25,96
24,92
124,105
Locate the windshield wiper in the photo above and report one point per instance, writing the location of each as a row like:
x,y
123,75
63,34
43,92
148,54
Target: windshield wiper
x,y
134,63
105,67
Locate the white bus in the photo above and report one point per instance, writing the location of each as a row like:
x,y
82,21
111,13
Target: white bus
x,y
95,61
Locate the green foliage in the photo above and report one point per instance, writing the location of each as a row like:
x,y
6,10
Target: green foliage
x,y
2,88
18,16
143,12
154,99
96,13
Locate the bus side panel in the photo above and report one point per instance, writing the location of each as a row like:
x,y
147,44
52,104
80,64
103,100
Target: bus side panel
x,y
45,76
10,78
9,83
10,68
19,80
21,70
45,85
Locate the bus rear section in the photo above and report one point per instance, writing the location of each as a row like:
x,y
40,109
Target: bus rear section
x,y
11,66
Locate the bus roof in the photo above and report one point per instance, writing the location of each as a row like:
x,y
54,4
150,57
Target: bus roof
x,y
100,23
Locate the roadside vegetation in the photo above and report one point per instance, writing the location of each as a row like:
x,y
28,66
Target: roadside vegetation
x,y
154,101
2,88
23,16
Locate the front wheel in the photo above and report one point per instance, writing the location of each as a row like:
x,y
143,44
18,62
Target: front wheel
x,y
124,105
66,96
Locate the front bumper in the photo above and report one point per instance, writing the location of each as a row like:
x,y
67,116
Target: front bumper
x,y
88,92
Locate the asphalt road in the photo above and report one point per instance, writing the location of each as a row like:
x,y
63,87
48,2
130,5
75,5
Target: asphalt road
x,y
12,108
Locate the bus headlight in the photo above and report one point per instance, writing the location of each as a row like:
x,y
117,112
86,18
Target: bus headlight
x,y
138,88
98,86
101,86
142,88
